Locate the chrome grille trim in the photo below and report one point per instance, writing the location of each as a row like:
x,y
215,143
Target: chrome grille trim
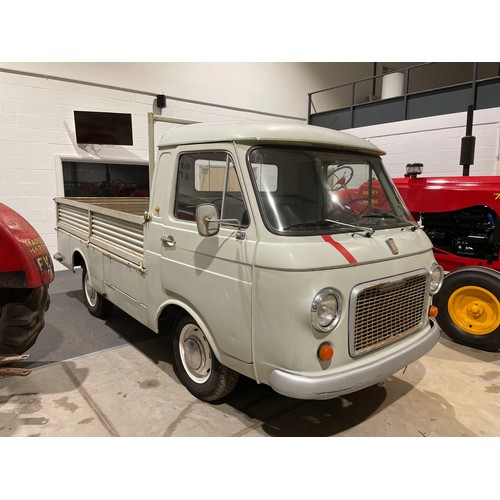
x,y
379,312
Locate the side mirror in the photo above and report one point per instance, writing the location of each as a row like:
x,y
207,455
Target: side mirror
x,y
207,219
208,222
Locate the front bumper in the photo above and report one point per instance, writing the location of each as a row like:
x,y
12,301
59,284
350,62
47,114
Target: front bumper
x,y
352,380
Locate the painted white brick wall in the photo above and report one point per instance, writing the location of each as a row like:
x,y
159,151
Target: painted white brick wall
x,y
37,130
436,142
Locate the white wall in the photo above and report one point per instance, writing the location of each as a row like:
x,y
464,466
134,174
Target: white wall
x,y
436,141
269,87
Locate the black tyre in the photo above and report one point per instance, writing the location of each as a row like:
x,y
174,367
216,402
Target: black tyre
x,y
469,307
97,305
21,318
198,368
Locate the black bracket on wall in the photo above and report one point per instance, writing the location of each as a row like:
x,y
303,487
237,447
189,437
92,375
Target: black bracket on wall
x,y
161,101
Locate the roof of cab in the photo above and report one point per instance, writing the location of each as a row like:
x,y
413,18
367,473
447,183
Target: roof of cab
x,y
271,132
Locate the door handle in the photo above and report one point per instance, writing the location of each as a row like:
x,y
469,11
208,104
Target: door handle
x,y
168,241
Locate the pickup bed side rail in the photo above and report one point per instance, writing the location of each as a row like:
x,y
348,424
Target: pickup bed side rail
x,y
114,225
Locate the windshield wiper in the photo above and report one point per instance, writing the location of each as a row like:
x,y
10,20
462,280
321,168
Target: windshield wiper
x,y
384,215
321,222
367,230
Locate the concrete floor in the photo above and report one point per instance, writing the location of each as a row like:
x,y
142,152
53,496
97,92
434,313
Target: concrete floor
x,y
114,378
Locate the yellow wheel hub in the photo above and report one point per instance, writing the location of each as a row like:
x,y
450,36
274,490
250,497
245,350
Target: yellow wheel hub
x,y
475,310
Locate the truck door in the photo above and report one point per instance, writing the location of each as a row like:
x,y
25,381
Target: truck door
x,y
213,275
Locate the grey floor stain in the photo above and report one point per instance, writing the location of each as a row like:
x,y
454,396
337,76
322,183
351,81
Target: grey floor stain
x,y
66,404
149,383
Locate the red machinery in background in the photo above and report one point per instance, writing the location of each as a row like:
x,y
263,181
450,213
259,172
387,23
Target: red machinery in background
x,y
26,269
461,216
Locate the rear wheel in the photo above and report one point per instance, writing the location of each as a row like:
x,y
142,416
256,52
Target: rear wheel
x,y
198,368
97,305
21,318
469,307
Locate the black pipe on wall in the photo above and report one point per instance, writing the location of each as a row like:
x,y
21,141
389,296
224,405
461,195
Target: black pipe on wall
x,y
468,144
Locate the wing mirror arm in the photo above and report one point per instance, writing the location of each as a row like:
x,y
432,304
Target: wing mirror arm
x,y
209,224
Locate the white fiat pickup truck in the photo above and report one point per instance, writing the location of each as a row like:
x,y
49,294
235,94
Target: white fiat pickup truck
x,y
278,251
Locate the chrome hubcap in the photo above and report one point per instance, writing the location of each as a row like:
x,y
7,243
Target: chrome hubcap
x,y
195,353
90,293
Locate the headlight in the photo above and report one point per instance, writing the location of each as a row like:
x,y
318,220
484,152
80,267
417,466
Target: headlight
x,y
325,310
436,274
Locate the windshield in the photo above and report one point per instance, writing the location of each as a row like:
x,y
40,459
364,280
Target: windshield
x,y
306,191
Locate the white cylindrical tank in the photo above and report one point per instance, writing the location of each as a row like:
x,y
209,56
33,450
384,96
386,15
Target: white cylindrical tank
x,y
393,85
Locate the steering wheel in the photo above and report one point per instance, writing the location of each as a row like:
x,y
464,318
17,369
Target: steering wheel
x,y
346,209
354,200
339,177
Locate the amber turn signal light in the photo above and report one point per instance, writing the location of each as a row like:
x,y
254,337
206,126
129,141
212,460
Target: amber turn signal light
x,y
325,352
433,311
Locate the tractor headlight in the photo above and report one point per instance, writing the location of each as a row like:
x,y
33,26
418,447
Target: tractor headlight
x,y
437,275
325,310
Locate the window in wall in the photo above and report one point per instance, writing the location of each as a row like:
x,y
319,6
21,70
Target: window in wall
x,y
94,127
209,177
105,179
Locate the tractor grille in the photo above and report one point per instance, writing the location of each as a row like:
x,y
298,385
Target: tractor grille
x,y
384,312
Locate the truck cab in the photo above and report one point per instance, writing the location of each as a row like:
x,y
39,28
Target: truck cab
x,y
282,252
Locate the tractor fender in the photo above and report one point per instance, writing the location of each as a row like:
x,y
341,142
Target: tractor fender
x,y
25,262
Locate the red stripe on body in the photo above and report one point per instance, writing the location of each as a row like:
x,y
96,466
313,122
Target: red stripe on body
x,y
340,248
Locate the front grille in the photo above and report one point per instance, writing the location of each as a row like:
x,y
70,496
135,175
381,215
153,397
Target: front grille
x,y
384,312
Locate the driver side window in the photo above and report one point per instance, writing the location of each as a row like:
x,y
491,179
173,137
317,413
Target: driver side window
x,y
209,177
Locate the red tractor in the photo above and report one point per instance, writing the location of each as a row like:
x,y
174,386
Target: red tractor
x,y
461,216
26,269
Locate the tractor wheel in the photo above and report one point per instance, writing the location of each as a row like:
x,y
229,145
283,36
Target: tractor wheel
x,y
469,307
21,317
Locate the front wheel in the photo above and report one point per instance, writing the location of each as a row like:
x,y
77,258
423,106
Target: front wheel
x,y
469,307
97,305
198,368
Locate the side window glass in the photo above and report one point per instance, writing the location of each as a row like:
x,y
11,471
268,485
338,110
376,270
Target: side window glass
x,y
209,178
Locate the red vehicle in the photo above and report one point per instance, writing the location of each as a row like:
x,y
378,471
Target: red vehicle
x,y
26,269
461,216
